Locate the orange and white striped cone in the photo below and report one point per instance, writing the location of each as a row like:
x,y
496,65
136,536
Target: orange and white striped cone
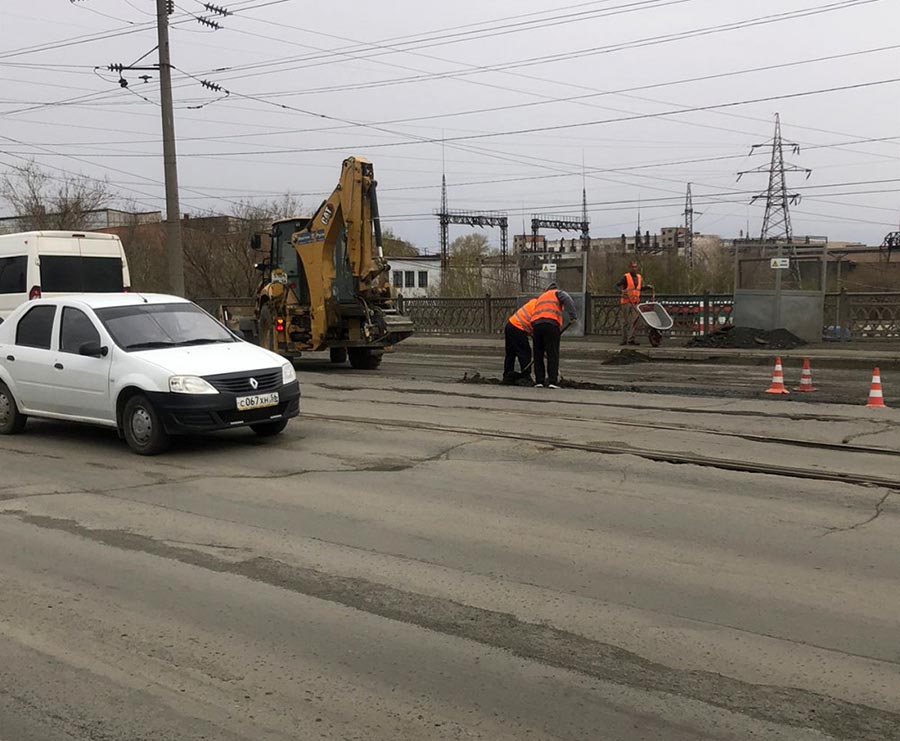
x,y
777,386
876,398
805,378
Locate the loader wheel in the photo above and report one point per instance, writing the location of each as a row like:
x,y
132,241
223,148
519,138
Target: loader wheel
x,y
655,337
338,355
266,328
362,358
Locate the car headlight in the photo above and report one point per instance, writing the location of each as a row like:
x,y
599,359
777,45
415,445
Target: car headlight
x,y
190,385
288,374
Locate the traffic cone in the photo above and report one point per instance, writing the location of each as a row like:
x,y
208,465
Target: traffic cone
x,y
805,378
876,398
777,386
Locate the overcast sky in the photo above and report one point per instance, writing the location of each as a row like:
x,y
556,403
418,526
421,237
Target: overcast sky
x,y
530,98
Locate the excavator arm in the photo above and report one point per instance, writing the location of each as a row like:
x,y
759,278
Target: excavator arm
x,y
341,253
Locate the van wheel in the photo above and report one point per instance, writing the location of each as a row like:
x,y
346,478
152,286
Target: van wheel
x,y
269,429
12,420
362,358
338,354
144,431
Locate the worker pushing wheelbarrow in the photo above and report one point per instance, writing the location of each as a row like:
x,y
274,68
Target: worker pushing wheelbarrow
x,y
635,313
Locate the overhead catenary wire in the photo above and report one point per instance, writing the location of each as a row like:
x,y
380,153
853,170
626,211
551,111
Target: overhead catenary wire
x,y
593,51
408,139
419,140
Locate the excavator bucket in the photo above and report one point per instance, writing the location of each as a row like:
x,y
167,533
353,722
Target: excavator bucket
x,y
398,326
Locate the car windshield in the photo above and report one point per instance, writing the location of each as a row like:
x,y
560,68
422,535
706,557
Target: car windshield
x,y
148,326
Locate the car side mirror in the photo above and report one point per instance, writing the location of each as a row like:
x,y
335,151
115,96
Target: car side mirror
x,y
239,333
93,350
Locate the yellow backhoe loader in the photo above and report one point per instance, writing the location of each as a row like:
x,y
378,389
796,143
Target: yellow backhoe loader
x,y
324,285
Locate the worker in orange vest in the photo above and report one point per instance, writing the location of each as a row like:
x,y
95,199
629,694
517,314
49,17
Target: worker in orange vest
x,y
547,327
518,347
631,284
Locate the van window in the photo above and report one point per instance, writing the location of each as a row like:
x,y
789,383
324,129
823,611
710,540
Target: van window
x,y
13,274
76,330
76,274
35,327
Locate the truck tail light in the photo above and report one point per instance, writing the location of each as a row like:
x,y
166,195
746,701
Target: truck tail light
x,y
34,293
279,325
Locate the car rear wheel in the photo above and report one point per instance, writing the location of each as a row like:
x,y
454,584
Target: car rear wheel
x,y
363,358
269,429
144,431
11,419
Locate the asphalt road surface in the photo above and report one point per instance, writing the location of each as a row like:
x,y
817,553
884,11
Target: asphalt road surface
x,y
419,559
703,375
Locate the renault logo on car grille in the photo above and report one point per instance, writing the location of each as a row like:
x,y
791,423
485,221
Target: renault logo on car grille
x,y
254,384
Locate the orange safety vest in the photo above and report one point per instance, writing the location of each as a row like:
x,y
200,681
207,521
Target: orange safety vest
x,y
632,292
522,318
547,307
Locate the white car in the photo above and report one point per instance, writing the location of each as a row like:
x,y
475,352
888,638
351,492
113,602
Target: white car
x,y
151,366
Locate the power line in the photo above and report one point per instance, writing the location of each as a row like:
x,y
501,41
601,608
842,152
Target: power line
x,y
442,33
545,59
409,139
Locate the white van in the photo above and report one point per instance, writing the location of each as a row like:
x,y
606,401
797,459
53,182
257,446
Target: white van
x,y
51,263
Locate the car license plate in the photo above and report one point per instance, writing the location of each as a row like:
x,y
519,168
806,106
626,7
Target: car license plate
x,y
246,403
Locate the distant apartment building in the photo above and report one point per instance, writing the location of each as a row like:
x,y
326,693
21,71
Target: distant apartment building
x,y
671,239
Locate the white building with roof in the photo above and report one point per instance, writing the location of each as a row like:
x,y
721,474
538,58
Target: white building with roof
x,y
416,277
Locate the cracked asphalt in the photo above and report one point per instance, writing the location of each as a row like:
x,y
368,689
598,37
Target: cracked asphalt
x,y
420,559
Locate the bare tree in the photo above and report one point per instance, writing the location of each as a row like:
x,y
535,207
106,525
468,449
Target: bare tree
x,y
394,246
464,276
218,259
42,200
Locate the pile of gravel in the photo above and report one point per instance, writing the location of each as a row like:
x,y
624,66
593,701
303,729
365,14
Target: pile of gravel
x,y
748,337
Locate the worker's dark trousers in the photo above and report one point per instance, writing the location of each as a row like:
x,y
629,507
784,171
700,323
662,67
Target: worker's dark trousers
x,y
546,344
517,348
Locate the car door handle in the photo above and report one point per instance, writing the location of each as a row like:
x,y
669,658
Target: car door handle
x,y
58,366
10,357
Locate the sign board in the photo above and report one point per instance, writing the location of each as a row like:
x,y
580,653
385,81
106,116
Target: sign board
x,y
780,263
548,267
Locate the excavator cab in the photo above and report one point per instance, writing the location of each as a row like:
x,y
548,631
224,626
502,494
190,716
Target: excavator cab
x,y
284,256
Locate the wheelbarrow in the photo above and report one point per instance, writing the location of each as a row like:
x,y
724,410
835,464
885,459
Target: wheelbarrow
x,y
656,318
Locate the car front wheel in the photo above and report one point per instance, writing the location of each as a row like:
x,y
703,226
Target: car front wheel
x,y
144,431
11,419
269,429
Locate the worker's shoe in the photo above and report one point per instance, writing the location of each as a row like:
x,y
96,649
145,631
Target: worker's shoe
x,y
539,385
553,386
633,342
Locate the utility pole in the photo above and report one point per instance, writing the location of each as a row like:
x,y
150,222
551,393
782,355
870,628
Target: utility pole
x,y
689,227
174,251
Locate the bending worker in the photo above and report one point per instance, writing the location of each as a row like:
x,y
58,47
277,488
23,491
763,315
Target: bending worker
x,y
547,324
518,330
631,284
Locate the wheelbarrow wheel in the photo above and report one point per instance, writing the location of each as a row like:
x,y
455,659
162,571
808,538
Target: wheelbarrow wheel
x,y
655,337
